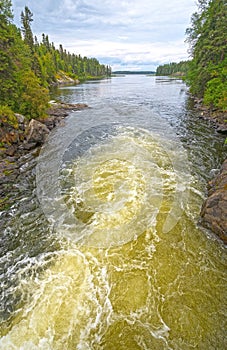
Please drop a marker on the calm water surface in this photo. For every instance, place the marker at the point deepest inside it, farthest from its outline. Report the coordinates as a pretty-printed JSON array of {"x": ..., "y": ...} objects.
[{"x": 102, "y": 248}]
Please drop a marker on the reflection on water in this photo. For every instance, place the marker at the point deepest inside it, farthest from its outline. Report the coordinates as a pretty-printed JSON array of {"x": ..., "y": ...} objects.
[{"x": 116, "y": 260}]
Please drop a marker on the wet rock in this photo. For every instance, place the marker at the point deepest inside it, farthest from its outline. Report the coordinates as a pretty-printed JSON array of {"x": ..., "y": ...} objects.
[
  {"x": 222, "y": 129},
  {"x": 58, "y": 112},
  {"x": 214, "y": 209},
  {"x": 217, "y": 117},
  {"x": 27, "y": 146},
  {"x": 10, "y": 151},
  {"x": 51, "y": 121},
  {"x": 61, "y": 109},
  {"x": 36, "y": 132}
]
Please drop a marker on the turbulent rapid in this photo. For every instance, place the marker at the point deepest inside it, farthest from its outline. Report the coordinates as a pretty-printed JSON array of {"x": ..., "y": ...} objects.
[{"x": 107, "y": 250}]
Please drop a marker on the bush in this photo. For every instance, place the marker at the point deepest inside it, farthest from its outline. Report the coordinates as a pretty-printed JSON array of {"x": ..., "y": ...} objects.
[
  {"x": 34, "y": 97},
  {"x": 216, "y": 94},
  {"x": 7, "y": 116}
]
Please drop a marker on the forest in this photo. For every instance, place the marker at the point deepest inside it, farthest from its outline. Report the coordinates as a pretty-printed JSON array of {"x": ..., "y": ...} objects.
[
  {"x": 173, "y": 68},
  {"x": 206, "y": 71},
  {"x": 28, "y": 67}
]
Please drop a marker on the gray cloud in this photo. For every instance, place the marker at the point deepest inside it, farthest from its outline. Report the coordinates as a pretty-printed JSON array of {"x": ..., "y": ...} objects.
[{"x": 136, "y": 33}]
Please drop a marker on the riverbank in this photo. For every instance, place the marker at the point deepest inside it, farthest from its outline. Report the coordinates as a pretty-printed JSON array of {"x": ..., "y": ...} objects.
[
  {"x": 216, "y": 117},
  {"x": 22, "y": 140},
  {"x": 214, "y": 209}
]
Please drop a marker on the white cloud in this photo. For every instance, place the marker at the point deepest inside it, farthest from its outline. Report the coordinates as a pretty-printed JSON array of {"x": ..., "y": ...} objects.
[{"x": 129, "y": 33}]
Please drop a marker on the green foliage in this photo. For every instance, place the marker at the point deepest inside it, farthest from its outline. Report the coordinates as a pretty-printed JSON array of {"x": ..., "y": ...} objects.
[
  {"x": 34, "y": 97},
  {"x": 6, "y": 14},
  {"x": 173, "y": 68},
  {"x": 7, "y": 65},
  {"x": 28, "y": 68},
  {"x": 7, "y": 116},
  {"x": 26, "y": 19},
  {"x": 52, "y": 61},
  {"x": 207, "y": 75},
  {"x": 216, "y": 93}
]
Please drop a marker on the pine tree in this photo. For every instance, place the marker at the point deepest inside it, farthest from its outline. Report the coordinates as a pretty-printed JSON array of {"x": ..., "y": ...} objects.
[
  {"x": 6, "y": 14},
  {"x": 28, "y": 68},
  {"x": 26, "y": 20},
  {"x": 7, "y": 66},
  {"x": 207, "y": 37}
]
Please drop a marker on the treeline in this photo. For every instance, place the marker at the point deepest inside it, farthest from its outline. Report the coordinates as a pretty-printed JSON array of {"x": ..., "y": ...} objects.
[
  {"x": 173, "y": 68},
  {"x": 207, "y": 36},
  {"x": 51, "y": 61},
  {"x": 28, "y": 68},
  {"x": 206, "y": 72}
]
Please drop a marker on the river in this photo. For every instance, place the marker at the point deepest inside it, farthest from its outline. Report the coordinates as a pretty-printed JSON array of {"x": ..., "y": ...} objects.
[{"x": 102, "y": 248}]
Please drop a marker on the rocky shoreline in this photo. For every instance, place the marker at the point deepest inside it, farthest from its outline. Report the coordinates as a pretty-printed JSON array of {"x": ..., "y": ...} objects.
[
  {"x": 22, "y": 140},
  {"x": 214, "y": 209},
  {"x": 217, "y": 118}
]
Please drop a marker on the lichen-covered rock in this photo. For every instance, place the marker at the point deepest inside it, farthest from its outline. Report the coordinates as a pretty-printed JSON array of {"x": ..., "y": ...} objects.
[{"x": 214, "y": 209}]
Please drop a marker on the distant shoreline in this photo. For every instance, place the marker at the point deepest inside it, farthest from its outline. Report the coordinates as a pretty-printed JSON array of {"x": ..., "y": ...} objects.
[{"x": 134, "y": 72}]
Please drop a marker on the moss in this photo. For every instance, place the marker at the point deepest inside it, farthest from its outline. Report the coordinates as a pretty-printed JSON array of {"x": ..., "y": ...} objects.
[
  {"x": 7, "y": 172},
  {"x": 4, "y": 203}
]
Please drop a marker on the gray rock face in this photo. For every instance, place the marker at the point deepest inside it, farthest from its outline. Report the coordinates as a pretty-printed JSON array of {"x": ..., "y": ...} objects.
[
  {"x": 214, "y": 209},
  {"x": 36, "y": 132}
]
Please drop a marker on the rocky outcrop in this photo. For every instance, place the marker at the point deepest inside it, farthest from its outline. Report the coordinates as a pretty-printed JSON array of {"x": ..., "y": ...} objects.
[
  {"x": 12, "y": 134},
  {"x": 214, "y": 209},
  {"x": 61, "y": 110},
  {"x": 36, "y": 132},
  {"x": 217, "y": 118},
  {"x": 20, "y": 134},
  {"x": 213, "y": 214},
  {"x": 20, "y": 138},
  {"x": 64, "y": 79}
]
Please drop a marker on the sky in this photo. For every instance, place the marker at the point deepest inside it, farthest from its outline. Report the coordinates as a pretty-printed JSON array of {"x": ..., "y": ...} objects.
[{"x": 127, "y": 35}]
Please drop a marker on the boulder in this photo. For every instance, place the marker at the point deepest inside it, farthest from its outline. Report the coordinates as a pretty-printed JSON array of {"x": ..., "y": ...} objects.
[
  {"x": 36, "y": 132},
  {"x": 62, "y": 109},
  {"x": 222, "y": 129},
  {"x": 214, "y": 209},
  {"x": 20, "y": 118}
]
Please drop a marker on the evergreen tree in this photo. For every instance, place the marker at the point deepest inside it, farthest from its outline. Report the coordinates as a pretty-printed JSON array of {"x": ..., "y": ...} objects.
[
  {"x": 33, "y": 97},
  {"x": 26, "y": 20},
  {"x": 6, "y": 14},
  {"x": 173, "y": 68},
  {"x": 7, "y": 42},
  {"x": 207, "y": 37},
  {"x": 28, "y": 68}
]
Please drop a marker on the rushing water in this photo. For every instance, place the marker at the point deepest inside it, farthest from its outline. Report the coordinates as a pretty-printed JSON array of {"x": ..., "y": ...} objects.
[{"x": 102, "y": 249}]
